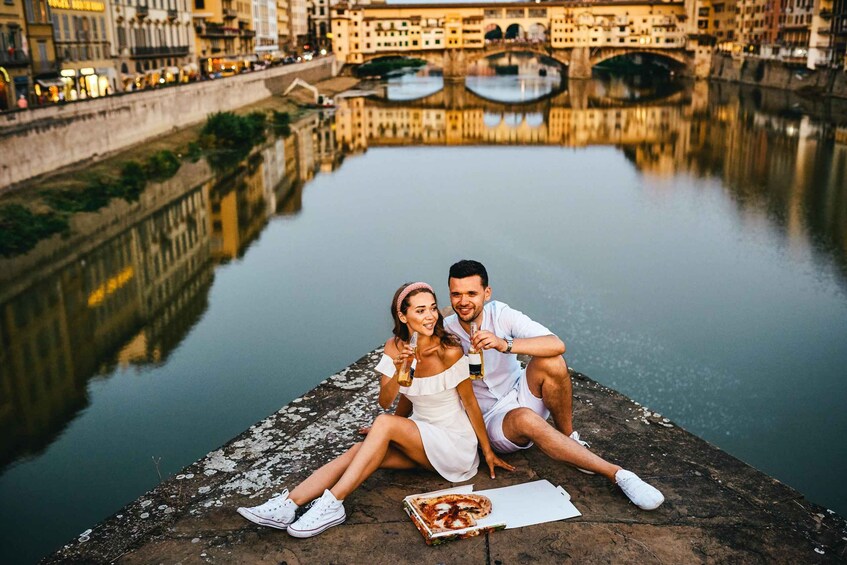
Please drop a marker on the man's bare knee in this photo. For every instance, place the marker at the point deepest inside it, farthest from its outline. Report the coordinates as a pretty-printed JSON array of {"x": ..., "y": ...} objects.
[
  {"x": 521, "y": 425},
  {"x": 552, "y": 366}
]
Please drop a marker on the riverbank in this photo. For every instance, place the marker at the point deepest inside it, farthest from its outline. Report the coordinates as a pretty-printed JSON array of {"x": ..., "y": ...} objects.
[
  {"x": 45, "y": 140},
  {"x": 717, "y": 508},
  {"x": 776, "y": 74}
]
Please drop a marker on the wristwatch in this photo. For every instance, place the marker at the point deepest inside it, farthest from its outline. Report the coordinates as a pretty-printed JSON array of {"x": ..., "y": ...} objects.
[{"x": 509, "y": 342}]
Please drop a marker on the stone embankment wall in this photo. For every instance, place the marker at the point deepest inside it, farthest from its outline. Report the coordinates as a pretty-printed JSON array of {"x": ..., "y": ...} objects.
[
  {"x": 43, "y": 140},
  {"x": 774, "y": 74}
]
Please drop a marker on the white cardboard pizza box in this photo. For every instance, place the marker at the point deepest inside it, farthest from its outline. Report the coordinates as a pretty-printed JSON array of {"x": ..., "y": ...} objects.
[{"x": 515, "y": 506}]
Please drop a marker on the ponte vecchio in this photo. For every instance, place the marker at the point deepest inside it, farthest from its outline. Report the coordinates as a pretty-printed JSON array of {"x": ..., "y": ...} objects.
[{"x": 578, "y": 35}]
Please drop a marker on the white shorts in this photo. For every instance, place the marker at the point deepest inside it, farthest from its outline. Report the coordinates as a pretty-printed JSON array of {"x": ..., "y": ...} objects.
[{"x": 518, "y": 397}]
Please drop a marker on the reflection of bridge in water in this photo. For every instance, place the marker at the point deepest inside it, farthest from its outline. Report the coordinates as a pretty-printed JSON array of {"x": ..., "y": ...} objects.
[{"x": 586, "y": 113}]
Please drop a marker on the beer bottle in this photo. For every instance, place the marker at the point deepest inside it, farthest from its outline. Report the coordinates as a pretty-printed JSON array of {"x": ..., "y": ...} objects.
[
  {"x": 475, "y": 359},
  {"x": 407, "y": 370}
]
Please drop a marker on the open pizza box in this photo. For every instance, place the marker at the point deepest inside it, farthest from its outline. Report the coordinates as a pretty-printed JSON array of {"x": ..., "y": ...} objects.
[{"x": 516, "y": 506}]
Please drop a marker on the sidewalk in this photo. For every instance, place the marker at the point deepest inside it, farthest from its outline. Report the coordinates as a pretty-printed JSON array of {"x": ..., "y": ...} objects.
[{"x": 717, "y": 508}]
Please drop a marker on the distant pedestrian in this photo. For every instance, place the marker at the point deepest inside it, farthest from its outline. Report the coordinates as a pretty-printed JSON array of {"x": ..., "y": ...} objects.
[{"x": 22, "y": 103}]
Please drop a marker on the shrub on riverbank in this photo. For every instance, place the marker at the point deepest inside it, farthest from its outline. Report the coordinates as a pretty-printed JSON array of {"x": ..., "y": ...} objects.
[
  {"x": 228, "y": 137},
  {"x": 384, "y": 67},
  {"x": 21, "y": 229},
  {"x": 226, "y": 130},
  {"x": 162, "y": 165}
]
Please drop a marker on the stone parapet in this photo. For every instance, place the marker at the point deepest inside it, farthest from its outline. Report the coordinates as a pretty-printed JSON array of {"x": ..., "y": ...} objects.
[{"x": 44, "y": 140}]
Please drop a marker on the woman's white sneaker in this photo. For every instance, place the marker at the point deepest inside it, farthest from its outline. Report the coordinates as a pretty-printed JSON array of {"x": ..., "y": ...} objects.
[
  {"x": 278, "y": 512},
  {"x": 325, "y": 513},
  {"x": 640, "y": 493}
]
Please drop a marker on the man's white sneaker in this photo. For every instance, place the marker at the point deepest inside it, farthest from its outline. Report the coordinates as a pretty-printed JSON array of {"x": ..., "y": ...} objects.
[
  {"x": 640, "y": 493},
  {"x": 575, "y": 436},
  {"x": 278, "y": 512},
  {"x": 325, "y": 513}
]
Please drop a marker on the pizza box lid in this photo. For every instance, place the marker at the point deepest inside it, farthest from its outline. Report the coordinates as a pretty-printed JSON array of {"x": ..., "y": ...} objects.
[{"x": 514, "y": 506}]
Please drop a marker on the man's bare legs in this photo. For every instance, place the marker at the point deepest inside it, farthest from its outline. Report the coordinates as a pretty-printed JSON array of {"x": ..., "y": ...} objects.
[
  {"x": 548, "y": 379},
  {"x": 522, "y": 426}
]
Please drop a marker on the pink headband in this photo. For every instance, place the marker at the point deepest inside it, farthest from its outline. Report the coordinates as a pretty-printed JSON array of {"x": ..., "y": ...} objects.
[{"x": 412, "y": 287}]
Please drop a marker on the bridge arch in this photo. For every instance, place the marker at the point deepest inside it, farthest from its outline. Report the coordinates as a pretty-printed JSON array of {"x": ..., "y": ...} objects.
[
  {"x": 604, "y": 54},
  {"x": 515, "y": 31},
  {"x": 493, "y": 32}
]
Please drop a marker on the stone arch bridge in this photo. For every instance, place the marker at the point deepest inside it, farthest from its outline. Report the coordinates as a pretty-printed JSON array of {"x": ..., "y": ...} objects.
[
  {"x": 578, "y": 61},
  {"x": 576, "y": 35}
]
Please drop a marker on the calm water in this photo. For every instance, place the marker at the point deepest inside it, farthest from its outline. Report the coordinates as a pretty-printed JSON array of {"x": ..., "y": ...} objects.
[{"x": 688, "y": 244}]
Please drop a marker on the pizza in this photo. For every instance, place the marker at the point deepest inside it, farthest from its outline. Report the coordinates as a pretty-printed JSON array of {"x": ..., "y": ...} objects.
[{"x": 451, "y": 511}]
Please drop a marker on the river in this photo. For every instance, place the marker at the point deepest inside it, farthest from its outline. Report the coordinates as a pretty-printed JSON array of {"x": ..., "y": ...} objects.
[{"x": 687, "y": 242}]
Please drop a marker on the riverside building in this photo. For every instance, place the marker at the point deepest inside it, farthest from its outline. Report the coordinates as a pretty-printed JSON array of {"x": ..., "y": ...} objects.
[
  {"x": 14, "y": 54},
  {"x": 298, "y": 18},
  {"x": 283, "y": 26},
  {"x": 318, "y": 25},
  {"x": 46, "y": 82},
  {"x": 265, "y": 24},
  {"x": 83, "y": 37},
  {"x": 154, "y": 42},
  {"x": 224, "y": 36}
]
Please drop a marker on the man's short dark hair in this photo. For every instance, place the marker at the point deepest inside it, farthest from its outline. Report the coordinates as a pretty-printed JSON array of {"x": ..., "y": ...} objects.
[{"x": 468, "y": 268}]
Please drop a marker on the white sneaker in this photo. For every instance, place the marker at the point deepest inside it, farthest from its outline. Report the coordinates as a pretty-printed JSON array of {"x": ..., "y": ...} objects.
[
  {"x": 325, "y": 513},
  {"x": 640, "y": 493},
  {"x": 575, "y": 436},
  {"x": 278, "y": 512}
]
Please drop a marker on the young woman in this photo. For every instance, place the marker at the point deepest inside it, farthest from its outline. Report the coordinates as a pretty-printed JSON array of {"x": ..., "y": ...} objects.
[{"x": 442, "y": 435}]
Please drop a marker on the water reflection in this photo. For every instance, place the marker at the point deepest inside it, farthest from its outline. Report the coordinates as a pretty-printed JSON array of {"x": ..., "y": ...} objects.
[
  {"x": 522, "y": 77},
  {"x": 131, "y": 296},
  {"x": 130, "y": 283},
  {"x": 134, "y": 294}
]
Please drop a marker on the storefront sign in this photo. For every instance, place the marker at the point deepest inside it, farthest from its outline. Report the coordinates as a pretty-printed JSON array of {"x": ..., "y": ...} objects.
[{"x": 83, "y": 5}]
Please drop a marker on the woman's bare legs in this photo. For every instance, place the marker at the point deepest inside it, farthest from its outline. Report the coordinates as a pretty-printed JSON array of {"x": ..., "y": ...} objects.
[{"x": 393, "y": 443}]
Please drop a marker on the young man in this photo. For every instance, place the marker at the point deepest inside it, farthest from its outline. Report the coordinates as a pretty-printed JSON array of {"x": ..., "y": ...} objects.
[{"x": 516, "y": 403}]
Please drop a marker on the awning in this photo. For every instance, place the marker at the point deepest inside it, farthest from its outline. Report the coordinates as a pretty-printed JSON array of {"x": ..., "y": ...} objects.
[
  {"x": 172, "y": 70},
  {"x": 48, "y": 82},
  {"x": 190, "y": 68}
]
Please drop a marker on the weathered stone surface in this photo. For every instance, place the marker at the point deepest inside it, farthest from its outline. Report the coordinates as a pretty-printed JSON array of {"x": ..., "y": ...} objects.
[{"x": 717, "y": 509}]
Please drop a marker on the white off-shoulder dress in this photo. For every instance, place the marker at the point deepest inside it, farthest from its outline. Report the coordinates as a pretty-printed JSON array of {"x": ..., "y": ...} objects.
[{"x": 448, "y": 437}]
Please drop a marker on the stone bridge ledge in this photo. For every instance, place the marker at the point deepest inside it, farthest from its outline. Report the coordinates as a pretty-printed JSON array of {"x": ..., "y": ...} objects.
[{"x": 717, "y": 508}]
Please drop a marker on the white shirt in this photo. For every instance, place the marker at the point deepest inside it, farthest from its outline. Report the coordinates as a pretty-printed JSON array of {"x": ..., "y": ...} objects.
[{"x": 502, "y": 370}]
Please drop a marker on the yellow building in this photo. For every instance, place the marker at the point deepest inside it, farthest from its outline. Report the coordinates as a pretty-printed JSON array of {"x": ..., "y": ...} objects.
[
  {"x": 14, "y": 54},
  {"x": 224, "y": 36},
  {"x": 83, "y": 38},
  {"x": 42, "y": 48},
  {"x": 283, "y": 26}
]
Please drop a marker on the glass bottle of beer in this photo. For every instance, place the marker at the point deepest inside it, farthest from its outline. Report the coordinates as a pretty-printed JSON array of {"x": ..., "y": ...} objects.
[
  {"x": 475, "y": 359},
  {"x": 407, "y": 370}
]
